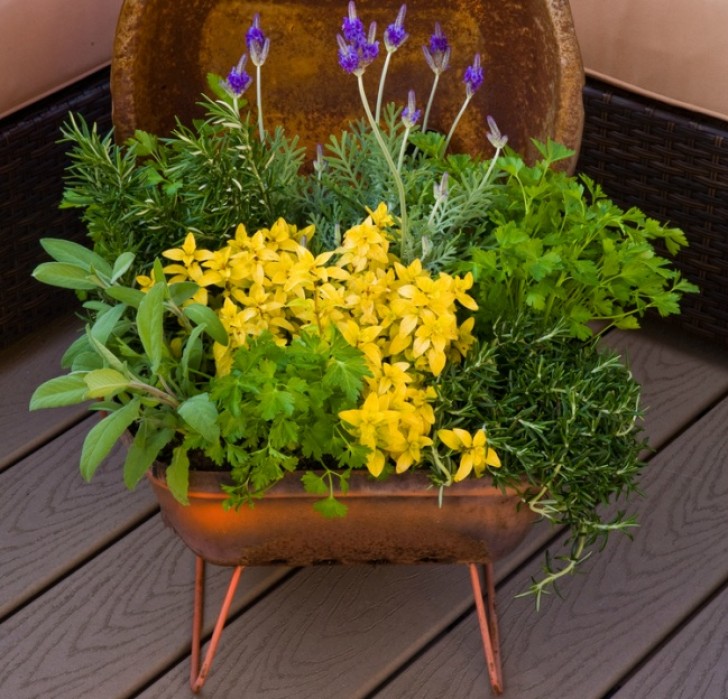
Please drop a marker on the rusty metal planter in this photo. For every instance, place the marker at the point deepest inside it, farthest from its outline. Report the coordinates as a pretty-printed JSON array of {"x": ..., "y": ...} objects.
[{"x": 396, "y": 521}]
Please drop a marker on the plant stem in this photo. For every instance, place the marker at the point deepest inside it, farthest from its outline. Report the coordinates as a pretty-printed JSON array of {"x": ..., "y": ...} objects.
[
  {"x": 430, "y": 101},
  {"x": 455, "y": 123},
  {"x": 393, "y": 168},
  {"x": 382, "y": 79},
  {"x": 161, "y": 396},
  {"x": 402, "y": 149},
  {"x": 259, "y": 100}
]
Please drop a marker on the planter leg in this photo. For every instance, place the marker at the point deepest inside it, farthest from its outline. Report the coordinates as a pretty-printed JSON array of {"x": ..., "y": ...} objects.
[
  {"x": 197, "y": 675},
  {"x": 488, "y": 622}
]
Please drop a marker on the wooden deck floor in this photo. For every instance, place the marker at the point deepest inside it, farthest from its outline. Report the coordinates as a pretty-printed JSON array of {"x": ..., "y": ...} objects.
[{"x": 96, "y": 595}]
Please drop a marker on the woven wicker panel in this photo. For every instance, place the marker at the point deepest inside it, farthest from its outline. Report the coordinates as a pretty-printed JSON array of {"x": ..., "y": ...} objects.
[
  {"x": 673, "y": 165},
  {"x": 31, "y": 171}
]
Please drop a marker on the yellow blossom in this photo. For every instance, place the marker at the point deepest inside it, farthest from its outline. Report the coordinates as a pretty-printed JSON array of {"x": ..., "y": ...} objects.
[
  {"x": 476, "y": 454},
  {"x": 381, "y": 217},
  {"x": 189, "y": 258},
  {"x": 412, "y": 454}
]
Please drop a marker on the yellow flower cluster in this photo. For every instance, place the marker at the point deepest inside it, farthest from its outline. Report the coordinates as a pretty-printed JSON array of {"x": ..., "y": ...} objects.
[{"x": 401, "y": 318}]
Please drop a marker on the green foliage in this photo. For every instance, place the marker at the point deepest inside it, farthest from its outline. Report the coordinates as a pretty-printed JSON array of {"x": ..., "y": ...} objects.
[
  {"x": 561, "y": 413},
  {"x": 548, "y": 253},
  {"x": 555, "y": 245},
  {"x": 279, "y": 410},
  {"x": 143, "y": 197}
]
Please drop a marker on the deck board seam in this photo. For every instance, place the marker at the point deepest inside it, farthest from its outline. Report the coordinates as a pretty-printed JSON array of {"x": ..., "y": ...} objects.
[
  {"x": 183, "y": 657},
  {"x": 81, "y": 563},
  {"x": 663, "y": 642}
]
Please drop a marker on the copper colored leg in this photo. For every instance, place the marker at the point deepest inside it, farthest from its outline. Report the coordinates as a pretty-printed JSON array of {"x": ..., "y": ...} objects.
[
  {"x": 488, "y": 622},
  {"x": 197, "y": 675}
]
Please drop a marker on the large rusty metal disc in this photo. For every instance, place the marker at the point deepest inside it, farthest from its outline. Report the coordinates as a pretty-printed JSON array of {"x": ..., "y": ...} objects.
[{"x": 533, "y": 72}]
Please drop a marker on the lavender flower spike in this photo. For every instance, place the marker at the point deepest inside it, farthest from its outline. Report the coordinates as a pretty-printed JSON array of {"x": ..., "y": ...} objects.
[
  {"x": 349, "y": 58},
  {"x": 496, "y": 138},
  {"x": 356, "y": 57},
  {"x": 437, "y": 54},
  {"x": 473, "y": 77},
  {"x": 410, "y": 114},
  {"x": 394, "y": 34},
  {"x": 410, "y": 117},
  {"x": 238, "y": 80},
  {"x": 257, "y": 42},
  {"x": 353, "y": 27}
]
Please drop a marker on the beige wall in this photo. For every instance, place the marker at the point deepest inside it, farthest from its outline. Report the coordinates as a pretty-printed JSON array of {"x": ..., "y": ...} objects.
[
  {"x": 676, "y": 50},
  {"x": 47, "y": 44}
]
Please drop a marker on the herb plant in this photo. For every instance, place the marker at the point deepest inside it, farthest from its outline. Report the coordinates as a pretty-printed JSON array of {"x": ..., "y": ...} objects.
[{"x": 397, "y": 307}]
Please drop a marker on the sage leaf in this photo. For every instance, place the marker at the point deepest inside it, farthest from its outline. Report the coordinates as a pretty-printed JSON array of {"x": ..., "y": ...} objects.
[
  {"x": 150, "y": 318},
  {"x": 202, "y": 315},
  {"x": 148, "y": 442},
  {"x": 106, "y": 322},
  {"x": 192, "y": 354},
  {"x": 105, "y": 383},
  {"x": 182, "y": 291},
  {"x": 121, "y": 265},
  {"x": 75, "y": 254},
  {"x": 65, "y": 276},
  {"x": 102, "y": 437},
  {"x": 60, "y": 391},
  {"x": 200, "y": 413},
  {"x": 104, "y": 352},
  {"x": 178, "y": 475},
  {"x": 131, "y": 297}
]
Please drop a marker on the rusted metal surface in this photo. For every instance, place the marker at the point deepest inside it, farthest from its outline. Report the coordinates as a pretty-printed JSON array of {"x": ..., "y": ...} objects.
[
  {"x": 164, "y": 50},
  {"x": 396, "y": 521}
]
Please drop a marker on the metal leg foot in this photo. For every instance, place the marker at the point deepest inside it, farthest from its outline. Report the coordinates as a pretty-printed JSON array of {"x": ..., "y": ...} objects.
[
  {"x": 488, "y": 622},
  {"x": 199, "y": 675}
]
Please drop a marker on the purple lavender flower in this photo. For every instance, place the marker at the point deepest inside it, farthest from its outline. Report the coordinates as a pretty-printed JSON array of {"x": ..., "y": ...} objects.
[
  {"x": 257, "y": 42},
  {"x": 437, "y": 54},
  {"x": 496, "y": 138},
  {"x": 410, "y": 114},
  {"x": 394, "y": 34},
  {"x": 473, "y": 77},
  {"x": 238, "y": 80},
  {"x": 355, "y": 57},
  {"x": 438, "y": 41},
  {"x": 353, "y": 27},
  {"x": 349, "y": 58}
]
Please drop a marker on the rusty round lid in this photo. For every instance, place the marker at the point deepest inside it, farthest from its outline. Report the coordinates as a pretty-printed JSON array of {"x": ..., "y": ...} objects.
[{"x": 164, "y": 50}]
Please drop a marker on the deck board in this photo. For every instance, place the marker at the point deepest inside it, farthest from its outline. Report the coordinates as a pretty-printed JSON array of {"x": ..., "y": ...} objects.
[
  {"x": 114, "y": 624},
  {"x": 22, "y": 368},
  {"x": 691, "y": 664},
  {"x": 63, "y": 521}
]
